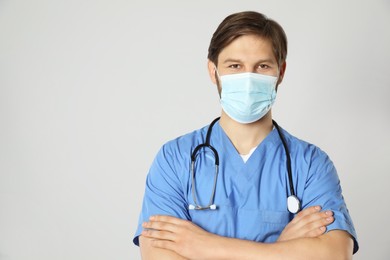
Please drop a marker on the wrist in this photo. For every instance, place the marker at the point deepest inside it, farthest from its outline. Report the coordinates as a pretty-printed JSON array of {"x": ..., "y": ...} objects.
[
  {"x": 226, "y": 248},
  {"x": 219, "y": 248}
]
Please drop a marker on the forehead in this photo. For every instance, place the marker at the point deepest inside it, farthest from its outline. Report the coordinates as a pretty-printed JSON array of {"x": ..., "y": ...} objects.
[{"x": 248, "y": 48}]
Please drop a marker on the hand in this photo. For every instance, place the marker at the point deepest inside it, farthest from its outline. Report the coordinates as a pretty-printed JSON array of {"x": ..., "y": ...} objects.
[
  {"x": 178, "y": 235},
  {"x": 310, "y": 222}
]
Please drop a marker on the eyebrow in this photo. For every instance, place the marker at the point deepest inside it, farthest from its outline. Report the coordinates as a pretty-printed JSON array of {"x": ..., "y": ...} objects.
[
  {"x": 229, "y": 60},
  {"x": 232, "y": 60}
]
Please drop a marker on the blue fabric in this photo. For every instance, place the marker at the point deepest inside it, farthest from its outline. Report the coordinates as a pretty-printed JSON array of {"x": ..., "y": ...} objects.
[{"x": 251, "y": 197}]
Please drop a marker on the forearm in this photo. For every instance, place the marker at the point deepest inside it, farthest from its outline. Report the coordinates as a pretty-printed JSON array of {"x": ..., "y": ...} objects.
[
  {"x": 184, "y": 238},
  {"x": 333, "y": 245},
  {"x": 148, "y": 252}
]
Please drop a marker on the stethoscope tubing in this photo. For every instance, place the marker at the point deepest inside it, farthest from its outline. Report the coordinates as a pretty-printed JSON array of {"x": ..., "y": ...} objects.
[
  {"x": 288, "y": 162},
  {"x": 293, "y": 203}
]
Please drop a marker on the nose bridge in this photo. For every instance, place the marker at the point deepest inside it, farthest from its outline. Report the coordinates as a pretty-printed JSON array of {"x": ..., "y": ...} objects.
[
  {"x": 252, "y": 70},
  {"x": 249, "y": 67}
]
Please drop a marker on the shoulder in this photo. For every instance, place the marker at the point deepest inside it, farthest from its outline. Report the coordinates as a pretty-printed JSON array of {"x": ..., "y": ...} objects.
[
  {"x": 173, "y": 158},
  {"x": 298, "y": 145},
  {"x": 312, "y": 164},
  {"x": 309, "y": 152},
  {"x": 182, "y": 146}
]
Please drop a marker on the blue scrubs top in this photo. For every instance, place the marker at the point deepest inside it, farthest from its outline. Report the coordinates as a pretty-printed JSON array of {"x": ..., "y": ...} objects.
[{"x": 251, "y": 197}]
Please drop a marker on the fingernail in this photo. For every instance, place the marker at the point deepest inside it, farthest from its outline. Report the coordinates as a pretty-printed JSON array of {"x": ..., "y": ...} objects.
[
  {"x": 146, "y": 224},
  {"x": 329, "y": 219},
  {"x": 329, "y": 212},
  {"x": 318, "y": 208},
  {"x": 152, "y": 217},
  {"x": 322, "y": 228}
]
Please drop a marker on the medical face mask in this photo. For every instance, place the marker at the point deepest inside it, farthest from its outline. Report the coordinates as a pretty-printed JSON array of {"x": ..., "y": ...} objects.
[{"x": 247, "y": 97}]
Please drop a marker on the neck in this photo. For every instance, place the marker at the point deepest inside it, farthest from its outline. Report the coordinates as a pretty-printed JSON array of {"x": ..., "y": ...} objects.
[{"x": 246, "y": 136}]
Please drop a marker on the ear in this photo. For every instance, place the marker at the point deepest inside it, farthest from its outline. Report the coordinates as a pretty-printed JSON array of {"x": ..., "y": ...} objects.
[
  {"x": 211, "y": 68},
  {"x": 281, "y": 72}
]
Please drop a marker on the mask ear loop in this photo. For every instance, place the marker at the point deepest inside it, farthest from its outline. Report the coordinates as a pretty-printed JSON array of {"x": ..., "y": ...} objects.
[
  {"x": 218, "y": 79},
  {"x": 277, "y": 82},
  {"x": 217, "y": 74}
]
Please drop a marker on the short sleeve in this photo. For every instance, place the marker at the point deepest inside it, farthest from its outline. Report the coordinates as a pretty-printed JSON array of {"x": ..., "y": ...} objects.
[
  {"x": 164, "y": 192},
  {"x": 323, "y": 188}
]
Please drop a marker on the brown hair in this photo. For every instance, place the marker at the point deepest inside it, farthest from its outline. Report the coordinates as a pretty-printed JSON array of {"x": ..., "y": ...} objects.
[{"x": 246, "y": 23}]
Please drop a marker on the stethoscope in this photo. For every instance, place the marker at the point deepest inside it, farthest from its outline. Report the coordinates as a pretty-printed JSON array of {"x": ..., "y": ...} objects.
[{"x": 293, "y": 203}]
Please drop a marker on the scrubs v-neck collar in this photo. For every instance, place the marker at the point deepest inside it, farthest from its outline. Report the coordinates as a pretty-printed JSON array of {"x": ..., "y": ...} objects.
[{"x": 229, "y": 155}]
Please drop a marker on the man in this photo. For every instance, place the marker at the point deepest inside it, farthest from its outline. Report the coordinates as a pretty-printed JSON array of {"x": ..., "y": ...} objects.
[{"x": 243, "y": 213}]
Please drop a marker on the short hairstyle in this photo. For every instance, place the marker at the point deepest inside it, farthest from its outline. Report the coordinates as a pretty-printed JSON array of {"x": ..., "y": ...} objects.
[{"x": 248, "y": 23}]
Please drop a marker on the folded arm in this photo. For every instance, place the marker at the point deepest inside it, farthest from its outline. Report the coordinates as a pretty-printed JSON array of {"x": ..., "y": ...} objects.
[
  {"x": 335, "y": 244},
  {"x": 149, "y": 252},
  {"x": 302, "y": 238}
]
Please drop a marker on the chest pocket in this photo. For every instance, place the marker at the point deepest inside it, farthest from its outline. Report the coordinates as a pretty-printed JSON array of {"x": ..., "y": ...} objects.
[
  {"x": 261, "y": 225},
  {"x": 254, "y": 225}
]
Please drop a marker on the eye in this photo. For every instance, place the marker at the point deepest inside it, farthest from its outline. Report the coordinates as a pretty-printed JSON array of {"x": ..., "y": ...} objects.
[
  {"x": 234, "y": 66},
  {"x": 264, "y": 66}
]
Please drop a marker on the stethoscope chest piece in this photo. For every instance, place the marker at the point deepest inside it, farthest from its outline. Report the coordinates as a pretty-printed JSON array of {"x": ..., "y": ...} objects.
[{"x": 293, "y": 204}]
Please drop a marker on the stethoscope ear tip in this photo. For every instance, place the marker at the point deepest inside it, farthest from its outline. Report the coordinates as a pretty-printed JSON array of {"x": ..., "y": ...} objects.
[{"x": 193, "y": 207}]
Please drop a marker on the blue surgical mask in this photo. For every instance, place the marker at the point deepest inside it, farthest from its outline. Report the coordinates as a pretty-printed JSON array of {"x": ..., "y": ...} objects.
[{"x": 247, "y": 97}]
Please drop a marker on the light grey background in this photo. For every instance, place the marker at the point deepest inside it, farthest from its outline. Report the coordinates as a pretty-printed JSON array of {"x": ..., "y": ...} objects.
[{"x": 89, "y": 91}]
